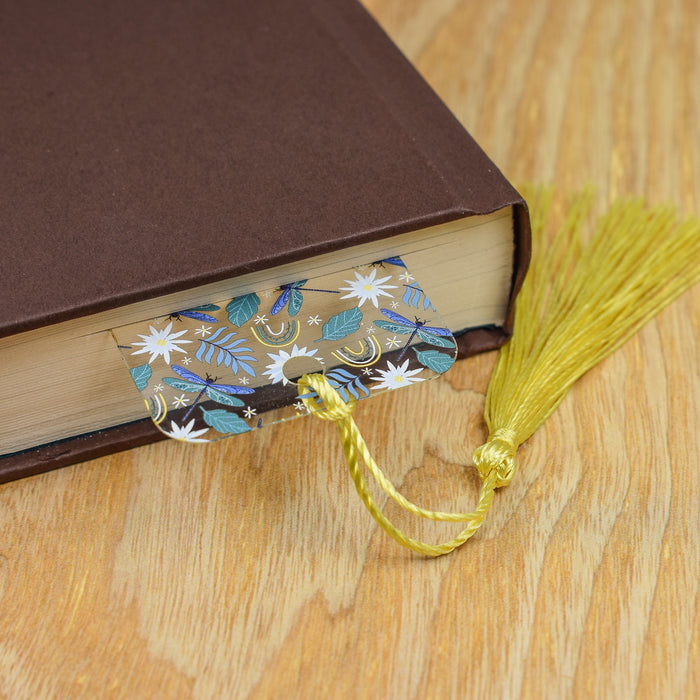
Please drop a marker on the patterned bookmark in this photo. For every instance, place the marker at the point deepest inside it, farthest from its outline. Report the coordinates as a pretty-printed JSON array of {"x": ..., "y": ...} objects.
[{"x": 225, "y": 368}]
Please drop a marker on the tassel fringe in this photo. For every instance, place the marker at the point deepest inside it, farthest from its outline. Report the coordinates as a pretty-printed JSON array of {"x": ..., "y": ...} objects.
[{"x": 581, "y": 302}]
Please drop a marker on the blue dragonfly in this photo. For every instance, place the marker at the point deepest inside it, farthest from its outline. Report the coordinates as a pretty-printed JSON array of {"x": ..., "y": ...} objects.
[
  {"x": 191, "y": 383},
  {"x": 442, "y": 337},
  {"x": 292, "y": 294},
  {"x": 391, "y": 261},
  {"x": 197, "y": 313}
]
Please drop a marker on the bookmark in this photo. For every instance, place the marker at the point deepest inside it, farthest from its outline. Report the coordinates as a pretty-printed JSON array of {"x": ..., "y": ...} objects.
[{"x": 228, "y": 367}]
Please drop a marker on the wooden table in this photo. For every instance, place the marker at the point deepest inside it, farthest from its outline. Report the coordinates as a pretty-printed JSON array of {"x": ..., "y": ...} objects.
[{"x": 250, "y": 569}]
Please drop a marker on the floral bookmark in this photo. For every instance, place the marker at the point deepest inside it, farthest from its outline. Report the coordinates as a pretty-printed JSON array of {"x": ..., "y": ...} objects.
[{"x": 225, "y": 368}]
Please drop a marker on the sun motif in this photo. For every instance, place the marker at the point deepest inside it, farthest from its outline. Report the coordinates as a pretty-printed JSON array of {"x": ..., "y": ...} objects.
[
  {"x": 160, "y": 343},
  {"x": 275, "y": 370},
  {"x": 395, "y": 377},
  {"x": 367, "y": 288}
]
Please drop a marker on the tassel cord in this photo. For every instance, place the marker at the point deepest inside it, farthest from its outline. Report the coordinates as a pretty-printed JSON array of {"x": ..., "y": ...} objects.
[{"x": 354, "y": 447}]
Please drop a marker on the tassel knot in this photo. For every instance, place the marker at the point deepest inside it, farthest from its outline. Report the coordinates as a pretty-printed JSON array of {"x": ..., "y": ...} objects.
[
  {"x": 497, "y": 455},
  {"x": 332, "y": 406}
]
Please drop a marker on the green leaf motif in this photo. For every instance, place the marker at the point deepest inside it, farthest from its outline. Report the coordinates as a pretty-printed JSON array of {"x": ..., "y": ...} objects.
[
  {"x": 220, "y": 397},
  {"x": 224, "y": 421},
  {"x": 342, "y": 325},
  {"x": 438, "y": 362},
  {"x": 141, "y": 375},
  {"x": 241, "y": 309}
]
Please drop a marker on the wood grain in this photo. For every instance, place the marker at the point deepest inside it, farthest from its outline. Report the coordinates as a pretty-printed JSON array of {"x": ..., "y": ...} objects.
[{"x": 250, "y": 569}]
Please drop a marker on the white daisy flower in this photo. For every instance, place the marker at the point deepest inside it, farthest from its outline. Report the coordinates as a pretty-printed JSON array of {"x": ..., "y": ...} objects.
[
  {"x": 393, "y": 342},
  {"x": 275, "y": 370},
  {"x": 161, "y": 343},
  {"x": 185, "y": 432},
  {"x": 394, "y": 377},
  {"x": 367, "y": 288},
  {"x": 250, "y": 412}
]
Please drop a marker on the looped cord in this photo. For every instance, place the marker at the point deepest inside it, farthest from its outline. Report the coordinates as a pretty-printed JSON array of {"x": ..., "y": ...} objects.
[
  {"x": 333, "y": 407},
  {"x": 497, "y": 455}
]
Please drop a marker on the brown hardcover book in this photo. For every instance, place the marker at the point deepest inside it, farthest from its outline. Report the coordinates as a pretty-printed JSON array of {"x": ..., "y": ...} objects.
[{"x": 163, "y": 154}]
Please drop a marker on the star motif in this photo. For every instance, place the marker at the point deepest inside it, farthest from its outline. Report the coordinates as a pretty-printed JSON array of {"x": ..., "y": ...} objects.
[
  {"x": 393, "y": 342},
  {"x": 203, "y": 331},
  {"x": 260, "y": 318},
  {"x": 244, "y": 380},
  {"x": 181, "y": 400},
  {"x": 314, "y": 320},
  {"x": 406, "y": 277},
  {"x": 394, "y": 304},
  {"x": 186, "y": 360},
  {"x": 367, "y": 371},
  {"x": 299, "y": 405},
  {"x": 158, "y": 387}
]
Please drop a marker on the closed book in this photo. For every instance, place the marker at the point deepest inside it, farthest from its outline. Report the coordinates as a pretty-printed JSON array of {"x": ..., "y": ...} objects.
[{"x": 160, "y": 155}]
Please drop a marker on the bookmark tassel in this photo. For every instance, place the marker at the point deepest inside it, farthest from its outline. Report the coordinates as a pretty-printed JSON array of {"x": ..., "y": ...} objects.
[{"x": 579, "y": 303}]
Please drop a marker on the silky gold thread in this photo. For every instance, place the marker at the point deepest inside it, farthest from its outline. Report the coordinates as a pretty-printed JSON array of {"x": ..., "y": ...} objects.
[{"x": 579, "y": 303}]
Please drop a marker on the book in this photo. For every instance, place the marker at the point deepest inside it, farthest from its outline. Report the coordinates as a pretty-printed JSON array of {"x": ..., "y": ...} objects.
[{"x": 163, "y": 156}]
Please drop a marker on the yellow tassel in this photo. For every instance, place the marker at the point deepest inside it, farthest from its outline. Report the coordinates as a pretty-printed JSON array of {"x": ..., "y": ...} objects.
[{"x": 578, "y": 304}]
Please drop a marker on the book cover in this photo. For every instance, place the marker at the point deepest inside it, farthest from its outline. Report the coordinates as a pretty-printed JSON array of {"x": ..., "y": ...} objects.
[{"x": 156, "y": 147}]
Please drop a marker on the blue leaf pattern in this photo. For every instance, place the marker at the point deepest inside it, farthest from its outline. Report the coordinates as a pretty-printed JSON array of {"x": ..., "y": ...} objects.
[
  {"x": 346, "y": 383},
  {"x": 230, "y": 353},
  {"x": 412, "y": 296}
]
